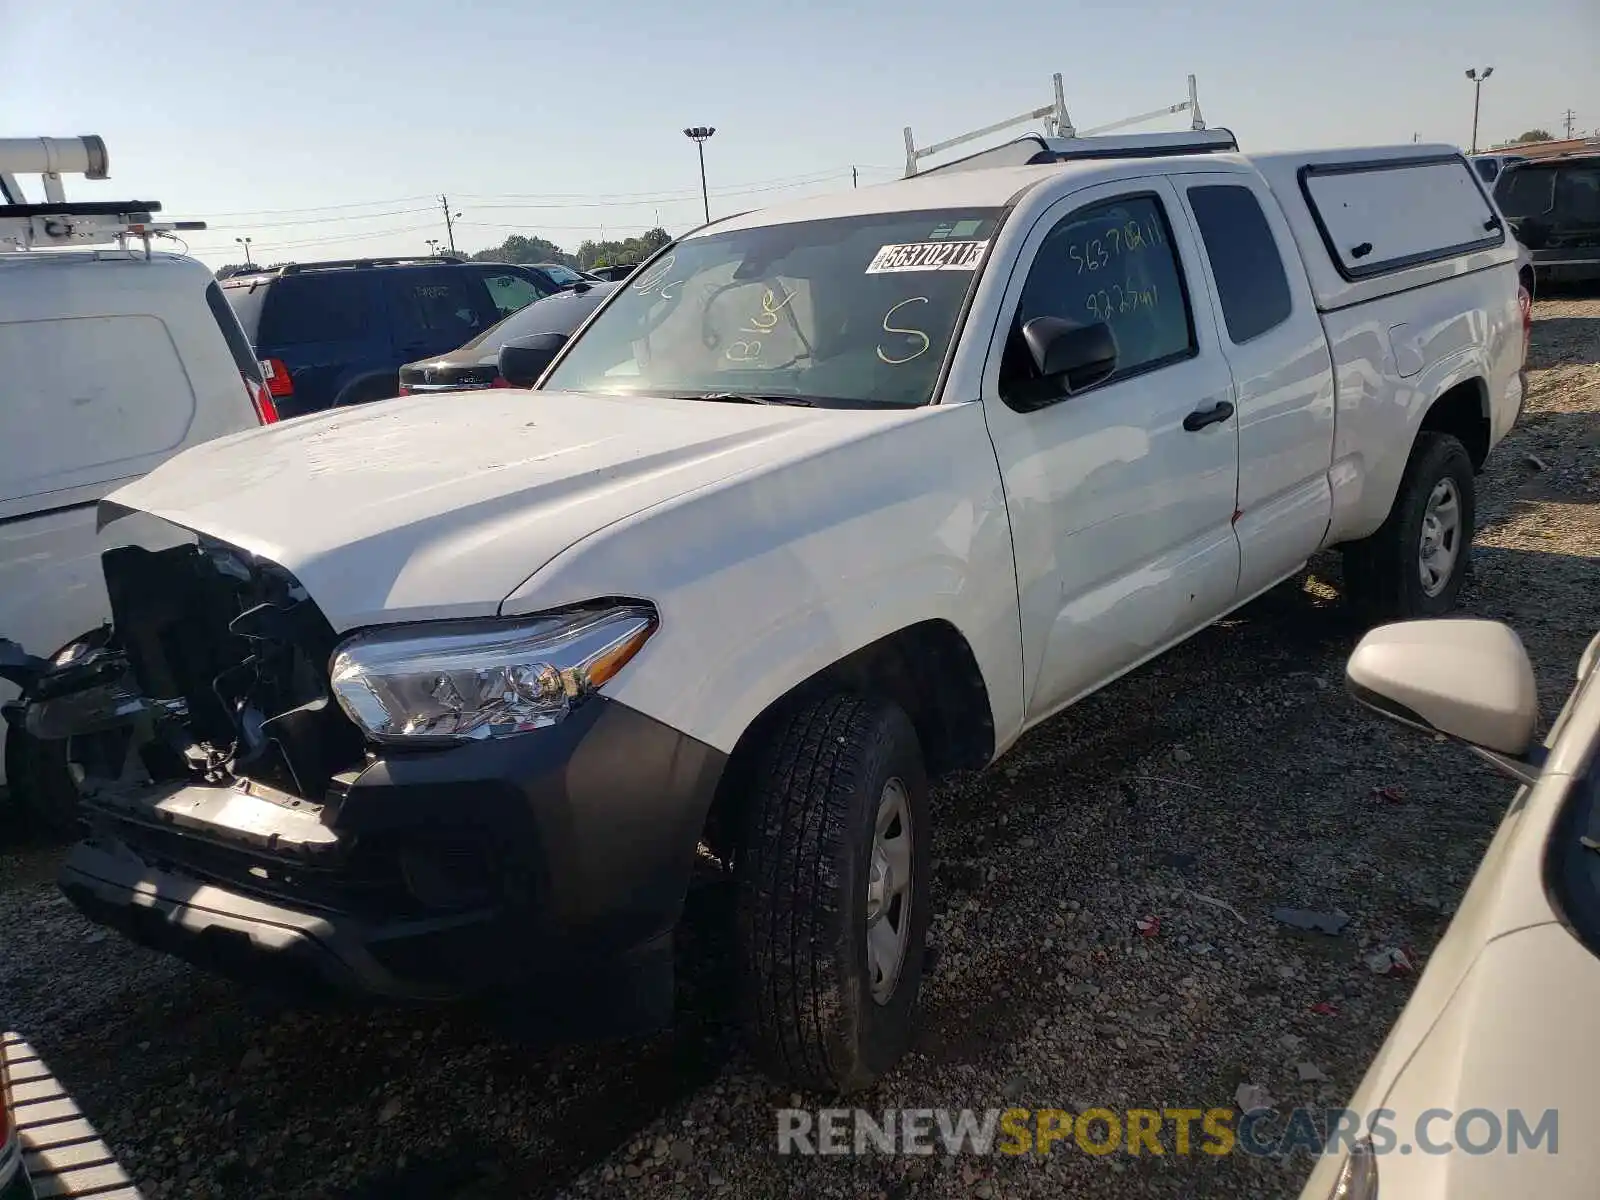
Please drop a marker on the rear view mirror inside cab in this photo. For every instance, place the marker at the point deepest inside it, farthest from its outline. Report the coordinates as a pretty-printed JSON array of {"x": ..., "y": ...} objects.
[{"x": 1469, "y": 680}]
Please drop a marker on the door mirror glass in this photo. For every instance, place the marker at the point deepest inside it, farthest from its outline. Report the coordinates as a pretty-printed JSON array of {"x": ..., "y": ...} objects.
[
  {"x": 1074, "y": 356},
  {"x": 1470, "y": 680},
  {"x": 524, "y": 359}
]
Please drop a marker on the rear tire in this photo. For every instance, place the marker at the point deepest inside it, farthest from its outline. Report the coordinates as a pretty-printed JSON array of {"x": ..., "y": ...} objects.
[
  {"x": 1417, "y": 560},
  {"x": 833, "y": 895}
]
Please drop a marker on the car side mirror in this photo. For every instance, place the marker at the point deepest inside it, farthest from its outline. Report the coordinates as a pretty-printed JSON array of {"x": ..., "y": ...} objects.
[
  {"x": 1469, "y": 680},
  {"x": 1074, "y": 356},
  {"x": 1532, "y": 233},
  {"x": 524, "y": 359}
]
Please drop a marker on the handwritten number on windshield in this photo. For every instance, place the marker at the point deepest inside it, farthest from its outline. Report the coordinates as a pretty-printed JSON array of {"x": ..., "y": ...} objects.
[
  {"x": 761, "y": 324},
  {"x": 1132, "y": 237},
  {"x": 656, "y": 279},
  {"x": 915, "y": 333}
]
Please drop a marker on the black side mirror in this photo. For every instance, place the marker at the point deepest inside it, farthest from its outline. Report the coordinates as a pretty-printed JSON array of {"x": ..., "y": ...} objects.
[
  {"x": 1532, "y": 233},
  {"x": 524, "y": 359},
  {"x": 1070, "y": 356}
]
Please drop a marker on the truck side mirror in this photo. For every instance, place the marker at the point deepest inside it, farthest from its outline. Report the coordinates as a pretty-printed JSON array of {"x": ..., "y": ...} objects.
[
  {"x": 1073, "y": 355},
  {"x": 1532, "y": 233},
  {"x": 1469, "y": 680},
  {"x": 524, "y": 359}
]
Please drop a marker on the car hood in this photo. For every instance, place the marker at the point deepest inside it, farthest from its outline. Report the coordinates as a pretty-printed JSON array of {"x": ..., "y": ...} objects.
[
  {"x": 1511, "y": 1043},
  {"x": 440, "y": 506}
]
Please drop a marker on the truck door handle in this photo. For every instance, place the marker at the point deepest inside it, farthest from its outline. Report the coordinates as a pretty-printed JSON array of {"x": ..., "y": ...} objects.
[{"x": 1197, "y": 421}]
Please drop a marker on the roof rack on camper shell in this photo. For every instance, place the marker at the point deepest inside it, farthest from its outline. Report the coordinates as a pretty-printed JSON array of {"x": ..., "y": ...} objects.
[
  {"x": 1062, "y": 141},
  {"x": 58, "y": 222}
]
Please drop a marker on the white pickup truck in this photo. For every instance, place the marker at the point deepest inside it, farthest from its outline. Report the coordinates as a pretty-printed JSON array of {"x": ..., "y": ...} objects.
[{"x": 448, "y": 694}]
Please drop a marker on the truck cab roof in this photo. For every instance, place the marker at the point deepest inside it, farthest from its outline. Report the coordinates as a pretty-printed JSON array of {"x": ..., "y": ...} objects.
[{"x": 1354, "y": 211}]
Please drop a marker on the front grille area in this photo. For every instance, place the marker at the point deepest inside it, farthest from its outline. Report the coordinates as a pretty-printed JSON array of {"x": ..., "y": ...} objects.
[{"x": 240, "y": 642}]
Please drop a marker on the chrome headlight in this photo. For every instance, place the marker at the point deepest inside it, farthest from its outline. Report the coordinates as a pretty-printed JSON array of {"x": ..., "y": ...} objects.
[
  {"x": 454, "y": 681},
  {"x": 1358, "y": 1177}
]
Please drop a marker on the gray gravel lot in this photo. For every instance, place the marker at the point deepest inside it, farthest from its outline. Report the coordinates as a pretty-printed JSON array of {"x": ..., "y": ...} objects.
[{"x": 1233, "y": 770}]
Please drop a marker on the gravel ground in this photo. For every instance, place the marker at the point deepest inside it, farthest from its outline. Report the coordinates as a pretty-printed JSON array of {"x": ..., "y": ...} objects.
[{"x": 1233, "y": 770}]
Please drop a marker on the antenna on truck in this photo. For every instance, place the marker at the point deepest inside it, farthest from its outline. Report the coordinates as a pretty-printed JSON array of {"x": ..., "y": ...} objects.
[
  {"x": 56, "y": 221},
  {"x": 1057, "y": 123}
]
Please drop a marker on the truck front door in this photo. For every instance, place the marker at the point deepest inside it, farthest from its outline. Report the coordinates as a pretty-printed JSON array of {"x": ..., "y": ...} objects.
[{"x": 1121, "y": 496}]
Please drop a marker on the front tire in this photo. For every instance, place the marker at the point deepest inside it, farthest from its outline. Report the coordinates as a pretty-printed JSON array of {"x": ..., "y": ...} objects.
[
  {"x": 834, "y": 894},
  {"x": 1416, "y": 561}
]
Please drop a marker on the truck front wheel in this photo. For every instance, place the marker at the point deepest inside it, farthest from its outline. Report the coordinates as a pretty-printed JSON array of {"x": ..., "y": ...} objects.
[
  {"x": 1416, "y": 561},
  {"x": 833, "y": 893}
]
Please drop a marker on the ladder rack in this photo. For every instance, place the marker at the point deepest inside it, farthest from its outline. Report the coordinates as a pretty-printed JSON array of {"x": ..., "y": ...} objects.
[
  {"x": 57, "y": 222},
  {"x": 1058, "y": 124}
]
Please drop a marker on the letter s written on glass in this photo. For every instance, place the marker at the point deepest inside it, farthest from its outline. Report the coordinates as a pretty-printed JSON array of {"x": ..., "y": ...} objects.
[{"x": 914, "y": 333}]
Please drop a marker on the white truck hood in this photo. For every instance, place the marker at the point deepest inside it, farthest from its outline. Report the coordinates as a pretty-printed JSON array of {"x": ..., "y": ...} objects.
[{"x": 441, "y": 505}]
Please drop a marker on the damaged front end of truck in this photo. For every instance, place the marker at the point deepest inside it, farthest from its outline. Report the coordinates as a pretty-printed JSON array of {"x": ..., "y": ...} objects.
[{"x": 235, "y": 812}]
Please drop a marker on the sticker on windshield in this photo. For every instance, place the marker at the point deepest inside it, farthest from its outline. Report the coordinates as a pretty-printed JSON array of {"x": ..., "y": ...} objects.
[{"x": 927, "y": 256}]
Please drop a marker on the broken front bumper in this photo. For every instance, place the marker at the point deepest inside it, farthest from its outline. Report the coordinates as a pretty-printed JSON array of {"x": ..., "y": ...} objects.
[{"x": 561, "y": 854}]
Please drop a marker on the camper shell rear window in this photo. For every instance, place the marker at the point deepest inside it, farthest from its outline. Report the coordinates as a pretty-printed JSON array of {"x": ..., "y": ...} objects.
[{"x": 1389, "y": 214}]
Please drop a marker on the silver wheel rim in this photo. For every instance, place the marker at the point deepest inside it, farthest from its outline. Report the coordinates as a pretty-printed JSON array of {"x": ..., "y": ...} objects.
[
  {"x": 889, "y": 891},
  {"x": 1441, "y": 537}
]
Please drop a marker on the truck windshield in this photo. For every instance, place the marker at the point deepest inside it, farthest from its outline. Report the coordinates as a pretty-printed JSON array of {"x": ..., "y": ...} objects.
[{"x": 848, "y": 312}]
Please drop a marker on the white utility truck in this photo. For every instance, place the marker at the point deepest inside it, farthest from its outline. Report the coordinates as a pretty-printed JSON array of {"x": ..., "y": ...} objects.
[
  {"x": 114, "y": 356},
  {"x": 449, "y": 694}
]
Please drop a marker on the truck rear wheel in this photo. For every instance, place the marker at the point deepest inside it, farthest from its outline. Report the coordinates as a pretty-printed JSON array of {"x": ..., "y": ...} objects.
[
  {"x": 1416, "y": 561},
  {"x": 834, "y": 894}
]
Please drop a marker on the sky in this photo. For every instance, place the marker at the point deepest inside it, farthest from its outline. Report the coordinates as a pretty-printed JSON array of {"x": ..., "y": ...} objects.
[{"x": 331, "y": 130}]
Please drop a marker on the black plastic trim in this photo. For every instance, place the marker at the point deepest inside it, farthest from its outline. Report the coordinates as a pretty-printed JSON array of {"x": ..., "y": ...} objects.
[
  {"x": 1393, "y": 709},
  {"x": 33, "y": 514},
  {"x": 96, "y": 208},
  {"x": 586, "y": 831},
  {"x": 1392, "y": 265}
]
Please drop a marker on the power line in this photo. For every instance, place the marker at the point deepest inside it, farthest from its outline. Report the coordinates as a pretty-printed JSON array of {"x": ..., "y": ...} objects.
[
  {"x": 321, "y": 241},
  {"x": 273, "y": 212},
  {"x": 540, "y": 226},
  {"x": 620, "y": 198},
  {"x": 398, "y": 212}
]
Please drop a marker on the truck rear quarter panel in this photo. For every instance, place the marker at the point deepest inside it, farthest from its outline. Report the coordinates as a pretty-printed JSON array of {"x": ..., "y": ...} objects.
[
  {"x": 1400, "y": 336},
  {"x": 1393, "y": 358}
]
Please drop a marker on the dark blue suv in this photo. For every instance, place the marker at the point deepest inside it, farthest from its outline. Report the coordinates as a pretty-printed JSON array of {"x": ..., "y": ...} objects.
[{"x": 334, "y": 333}]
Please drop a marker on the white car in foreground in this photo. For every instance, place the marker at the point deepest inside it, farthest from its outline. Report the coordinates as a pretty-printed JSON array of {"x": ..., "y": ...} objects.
[
  {"x": 1493, "y": 1040},
  {"x": 827, "y": 500}
]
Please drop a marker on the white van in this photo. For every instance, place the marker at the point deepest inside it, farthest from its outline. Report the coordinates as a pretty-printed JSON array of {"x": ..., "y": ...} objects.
[{"x": 112, "y": 361}]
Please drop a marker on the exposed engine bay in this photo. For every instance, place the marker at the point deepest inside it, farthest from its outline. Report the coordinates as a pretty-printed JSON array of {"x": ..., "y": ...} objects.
[{"x": 214, "y": 670}]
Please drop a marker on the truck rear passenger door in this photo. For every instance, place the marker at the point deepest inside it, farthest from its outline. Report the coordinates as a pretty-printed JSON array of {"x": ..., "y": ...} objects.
[
  {"x": 1121, "y": 495},
  {"x": 1272, "y": 339}
]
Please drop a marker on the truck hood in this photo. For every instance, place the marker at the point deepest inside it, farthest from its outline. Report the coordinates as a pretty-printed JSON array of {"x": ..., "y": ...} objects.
[{"x": 441, "y": 505}]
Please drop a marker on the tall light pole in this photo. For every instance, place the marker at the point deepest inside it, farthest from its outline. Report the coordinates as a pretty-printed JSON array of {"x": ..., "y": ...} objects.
[
  {"x": 433, "y": 246},
  {"x": 698, "y": 135},
  {"x": 245, "y": 242},
  {"x": 1477, "y": 78}
]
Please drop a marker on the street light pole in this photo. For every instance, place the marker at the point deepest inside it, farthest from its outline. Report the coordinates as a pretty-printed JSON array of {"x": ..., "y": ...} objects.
[
  {"x": 1477, "y": 78},
  {"x": 245, "y": 242},
  {"x": 698, "y": 134}
]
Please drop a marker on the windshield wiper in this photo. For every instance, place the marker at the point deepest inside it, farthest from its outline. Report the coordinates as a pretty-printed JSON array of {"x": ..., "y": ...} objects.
[{"x": 751, "y": 398}]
